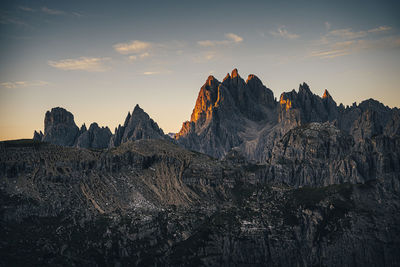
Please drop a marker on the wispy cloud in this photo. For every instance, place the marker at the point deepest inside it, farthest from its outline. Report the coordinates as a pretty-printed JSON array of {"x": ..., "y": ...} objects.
[
  {"x": 144, "y": 55},
  {"x": 347, "y": 34},
  {"x": 20, "y": 84},
  {"x": 380, "y": 29},
  {"x": 133, "y": 58},
  {"x": 231, "y": 38},
  {"x": 205, "y": 57},
  {"x": 234, "y": 37},
  {"x": 150, "y": 72},
  {"x": 77, "y": 14},
  {"x": 282, "y": 32},
  {"x": 330, "y": 53},
  {"x": 132, "y": 47},
  {"x": 91, "y": 64},
  {"x": 161, "y": 71},
  {"x": 27, "y": 9},
  {"x": 52, "y": 11},
  {"x": 342, "y": 42},
  {"x": 6, "y": 18}
]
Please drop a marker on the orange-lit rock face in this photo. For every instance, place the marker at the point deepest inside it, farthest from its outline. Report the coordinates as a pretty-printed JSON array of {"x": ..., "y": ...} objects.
[
  {"x": 184, "y": 130},
  {"x": 205, "y": 101},
  {"x": 250, "y": 77},
  {"x": 326, "y": 94},
  {"x": 227, "y": 77},
  {"x": 235, "y": 73},
  {"x": 210, "y": 80},
  {"x": 285, "y": 102}
]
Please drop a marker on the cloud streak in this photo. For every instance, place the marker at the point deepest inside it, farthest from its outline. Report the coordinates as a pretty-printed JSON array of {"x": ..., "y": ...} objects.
[
  {"x": 135, "y": 46},
  {"x": 52, "y": 11},
  {"x": 90, "y": 64},
  {"x": 27, "y": 9},
  {"x": 342, "y": 42},
  {"x": 133, "y": 58},
  {"x": 282, "y": 32},
  {"x": 49, "y": 11},
  {"x": 231, "y": 38},
  {"x": 150, "y": 72},
  {"x": 21, "y": 84}
]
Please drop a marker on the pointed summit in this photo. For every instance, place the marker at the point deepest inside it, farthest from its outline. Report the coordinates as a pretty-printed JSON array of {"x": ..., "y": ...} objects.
[
  {"x": 235, "y": 73},
  {"x": 137, "y": 109},
  {"x": 210, "y": 80},
  {"x": 304, "y": 88},
  {"x": 254, "y": 78},
  {"x": 138, "y": 125},
  {"x": 227, "y": 77},
  {"x": 326, "y": 94},
  {"x": 128, "y": 117}
]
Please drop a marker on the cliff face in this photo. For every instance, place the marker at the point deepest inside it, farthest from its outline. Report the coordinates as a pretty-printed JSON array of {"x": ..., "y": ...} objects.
[
  {"x": 136, "y": 126},
  {"x": 60, "y": 129},
  {"x": 150, "y": 202},
  {"x": 224, "y": 112},
  {"x": 295, "y": 182},
  {"x": 95, "y": 137},
  {"x": 245, "y": 116}
]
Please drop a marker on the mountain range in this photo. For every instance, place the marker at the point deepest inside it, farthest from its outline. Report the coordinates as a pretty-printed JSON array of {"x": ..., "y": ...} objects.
[{"x": 250, "y": 180}]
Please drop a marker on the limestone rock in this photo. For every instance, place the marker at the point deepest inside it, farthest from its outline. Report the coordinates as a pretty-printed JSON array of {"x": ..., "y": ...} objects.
[
  {"x": 38, "y": 136},
  {"x": 137, "y": 126},
  {"x": 60, "y": 127},
  {"x": 95, "y": 137},
  {"x": 222, "y": 113}
]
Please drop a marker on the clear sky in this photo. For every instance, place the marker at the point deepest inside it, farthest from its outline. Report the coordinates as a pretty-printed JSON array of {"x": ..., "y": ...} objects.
[{"x": 98, "y": 59}]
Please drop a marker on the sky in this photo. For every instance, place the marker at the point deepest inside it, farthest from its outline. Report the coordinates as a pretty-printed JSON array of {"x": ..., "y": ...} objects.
[{"x": 98, "y": 59}]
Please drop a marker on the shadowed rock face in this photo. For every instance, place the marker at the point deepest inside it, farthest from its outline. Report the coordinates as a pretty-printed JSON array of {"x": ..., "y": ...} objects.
[
  {"x": 137, "y": 126},
  {"x": 60, "y": 127},
  {"x": 245, "y": 116},
  {"x": 223, "y": 111},
  {"x": 95, "y": 137},
  {"x": 151, "y": 202},
  {"x": 325, "y": 190}
]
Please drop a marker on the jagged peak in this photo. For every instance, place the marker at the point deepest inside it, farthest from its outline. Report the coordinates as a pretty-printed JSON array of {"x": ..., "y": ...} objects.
[
  {"x": 211, "y": 80},
  {"x": 304, "y": 88},
  {"x": 235, "y": 73},
  {"x": 128, "y": 117},
  {"x": 137, "y": 109},
  {"x": 254, "y": 78},
  {"x": 326, "y": 94},
  {"x": 58, "y": 109},
  {"x": 227, "y": 77},
  {"x": 93, "y": 125},
  {"x": 83, "y": 128}
]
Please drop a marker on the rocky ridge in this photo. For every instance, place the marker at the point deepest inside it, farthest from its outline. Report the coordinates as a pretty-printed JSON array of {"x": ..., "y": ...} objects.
[
  {"x": 295, "y": 182},
  {"x": 151, "y": 202},
  {"x": 60, "y": 129},
  {"x": 245, "y": 116}
]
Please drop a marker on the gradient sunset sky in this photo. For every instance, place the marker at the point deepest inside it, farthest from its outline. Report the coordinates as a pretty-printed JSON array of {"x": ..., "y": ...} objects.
[{"x": 98, "y": 59}]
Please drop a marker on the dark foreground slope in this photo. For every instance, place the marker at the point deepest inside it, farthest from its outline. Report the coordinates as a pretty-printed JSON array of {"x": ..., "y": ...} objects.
[{"x": 150, "y": 203}]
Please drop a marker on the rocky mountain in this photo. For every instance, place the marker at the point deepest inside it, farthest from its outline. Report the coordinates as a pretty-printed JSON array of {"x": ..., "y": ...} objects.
[
  {"x": 137, "y": 126},
  {"x": 245, "y": 116},
  {"x": 226, "y": 113},
  {"x": 248, "y": 181},
  {"x": 95, "y": 137},
  {"x": 153, "y": 203},
  {"x": 60, "y": 129}
]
